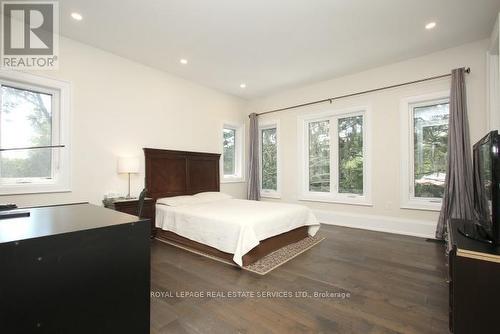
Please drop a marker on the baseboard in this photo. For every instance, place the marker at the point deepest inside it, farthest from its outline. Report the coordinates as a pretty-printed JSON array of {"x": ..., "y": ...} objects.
[{"x": 417, "y": 228}]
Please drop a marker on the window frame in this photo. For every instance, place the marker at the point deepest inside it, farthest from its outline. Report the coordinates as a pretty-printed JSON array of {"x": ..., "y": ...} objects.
[
  {"x": 61, "y": 164},
  {"x": 269, "y": 193},
  {"x": 303, "y": 144},
  {"x": 408, "y": 199},
  {"x": 239, "y": 144}
]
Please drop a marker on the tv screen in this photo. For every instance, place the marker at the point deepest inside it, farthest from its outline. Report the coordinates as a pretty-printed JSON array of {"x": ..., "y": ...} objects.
[{"x": 486, "y": 178}]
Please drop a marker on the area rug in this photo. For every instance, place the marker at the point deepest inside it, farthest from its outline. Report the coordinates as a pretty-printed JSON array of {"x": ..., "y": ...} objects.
[
  {"x": 283, "y": 255},
  {"x": 270, "y": 261}
]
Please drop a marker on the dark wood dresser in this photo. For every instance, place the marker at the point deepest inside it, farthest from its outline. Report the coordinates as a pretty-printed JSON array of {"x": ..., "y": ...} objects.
[
  {"x": 74, "y": 269},
  {"x": 474, "y": 283},
  {"x": 131, "y": 206}
]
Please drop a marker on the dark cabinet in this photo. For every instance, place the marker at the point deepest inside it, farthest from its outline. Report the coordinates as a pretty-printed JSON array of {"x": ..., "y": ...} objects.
[
  {"x": 74, "y": 269},
  {"x": 474, "y": 283}
]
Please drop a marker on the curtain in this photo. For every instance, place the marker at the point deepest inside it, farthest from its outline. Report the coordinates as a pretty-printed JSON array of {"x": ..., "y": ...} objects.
[
  {"x": 253, "y": 191},
  {"x": 458, "y": 193}
]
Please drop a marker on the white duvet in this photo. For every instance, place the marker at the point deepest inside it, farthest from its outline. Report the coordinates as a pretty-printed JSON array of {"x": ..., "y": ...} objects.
[{"x": 232, "y": 225}]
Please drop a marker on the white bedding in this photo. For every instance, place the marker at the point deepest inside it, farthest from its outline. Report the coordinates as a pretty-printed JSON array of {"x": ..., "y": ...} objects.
[{"x": 233, "y": 225}]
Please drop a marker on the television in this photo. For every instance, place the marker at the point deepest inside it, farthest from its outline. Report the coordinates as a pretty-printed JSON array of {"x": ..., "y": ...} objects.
[{"x": 486, "y": 226}]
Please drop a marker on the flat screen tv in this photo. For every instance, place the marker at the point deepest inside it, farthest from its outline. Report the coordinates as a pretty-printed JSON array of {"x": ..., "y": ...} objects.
[{"x": 486, "y": 190}]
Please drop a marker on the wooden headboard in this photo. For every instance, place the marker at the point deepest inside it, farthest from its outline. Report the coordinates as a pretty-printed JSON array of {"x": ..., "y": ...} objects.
[{"x": 173, "y": 173}]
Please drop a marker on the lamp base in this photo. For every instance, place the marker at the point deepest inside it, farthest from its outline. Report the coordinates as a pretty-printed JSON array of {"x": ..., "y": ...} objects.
[{"x": 128, "y": 195}]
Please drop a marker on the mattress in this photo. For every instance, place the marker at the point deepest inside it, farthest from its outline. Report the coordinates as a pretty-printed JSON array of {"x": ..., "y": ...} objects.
[{"x": 233, "y": 225}]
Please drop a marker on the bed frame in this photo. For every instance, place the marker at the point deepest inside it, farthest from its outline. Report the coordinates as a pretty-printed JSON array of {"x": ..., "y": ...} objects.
[{"x": 174, "y": 173}]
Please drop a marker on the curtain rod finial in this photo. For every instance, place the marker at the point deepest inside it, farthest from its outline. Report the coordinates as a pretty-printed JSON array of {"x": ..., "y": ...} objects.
[{"x": 467, "y": 70}]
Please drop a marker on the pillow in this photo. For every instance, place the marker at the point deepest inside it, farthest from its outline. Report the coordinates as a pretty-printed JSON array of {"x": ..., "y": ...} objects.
[
  {"x": 178, "y": 200},
  {"x": 211, "y": 196}
]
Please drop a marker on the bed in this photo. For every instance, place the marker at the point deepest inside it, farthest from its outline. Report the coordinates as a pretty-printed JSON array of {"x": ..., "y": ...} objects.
[{"x": 210, "y": 222}]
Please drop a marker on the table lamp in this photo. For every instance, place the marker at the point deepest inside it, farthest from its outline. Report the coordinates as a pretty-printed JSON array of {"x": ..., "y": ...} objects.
[{"x": 128, "y": 165}]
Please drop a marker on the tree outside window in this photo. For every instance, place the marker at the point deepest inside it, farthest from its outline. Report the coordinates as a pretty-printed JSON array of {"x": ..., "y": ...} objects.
[
  {"x": 25, "y": 121},
  {"x": 430, "y": 145},
  {"x": 319, "y": 156},
  {"x": 350, "y": 133},
  {"x": 269, "y": 153},
  {"x": 229, "y": 151}
]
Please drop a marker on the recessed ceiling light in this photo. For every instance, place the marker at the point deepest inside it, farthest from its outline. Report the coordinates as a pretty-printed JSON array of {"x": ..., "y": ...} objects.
[
  {"x": 77, "y": 16},
  {"x": 430, "y": 25},
  {"x": 183, "y": 61},
  {"x": 243, "y": 85}
]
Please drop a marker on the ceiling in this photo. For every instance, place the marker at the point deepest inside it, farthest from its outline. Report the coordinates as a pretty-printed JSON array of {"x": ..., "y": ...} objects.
[{"x": 272, "y": 45}]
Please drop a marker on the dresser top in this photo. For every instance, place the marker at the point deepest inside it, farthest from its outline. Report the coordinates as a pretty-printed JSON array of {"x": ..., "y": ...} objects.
[
  {"x": 469, "y": 247},
  {"x": 47, "y": 221},
  {"x": 113, "y": 200}
]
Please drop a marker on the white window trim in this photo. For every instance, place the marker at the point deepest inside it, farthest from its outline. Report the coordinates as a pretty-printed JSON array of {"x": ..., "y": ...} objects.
[
  {"x": 239, "y": 175},
  {"x": 62, "y": 100},
  {"x": 303, "y": 159},
  {"x": 269, "y": 124},
  {"x": 408, "y": 200}
]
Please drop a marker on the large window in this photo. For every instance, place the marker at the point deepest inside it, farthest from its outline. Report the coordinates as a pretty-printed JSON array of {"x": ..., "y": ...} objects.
[
  {"x": 269, "y": 159},
  {"x": 336, "y": 157},
  {"x": 232, "y": 153},
  {"x": 427, "y": 145},
  {"x": 33, "y": 112}
]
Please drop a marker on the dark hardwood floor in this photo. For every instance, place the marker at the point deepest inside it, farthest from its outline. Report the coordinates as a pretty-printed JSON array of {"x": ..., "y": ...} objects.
[{"x": 396, "y": 285}]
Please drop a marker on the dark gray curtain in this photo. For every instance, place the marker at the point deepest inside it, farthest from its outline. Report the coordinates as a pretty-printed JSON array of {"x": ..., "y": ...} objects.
[
  {"x": 458, "y": 193},
  {"x": 253, "y": 191}
]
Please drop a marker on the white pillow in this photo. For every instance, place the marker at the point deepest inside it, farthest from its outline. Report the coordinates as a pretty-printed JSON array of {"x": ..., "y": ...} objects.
[
  {"x": 178, "y": 200},
  {"x": 211, "y": 196}
]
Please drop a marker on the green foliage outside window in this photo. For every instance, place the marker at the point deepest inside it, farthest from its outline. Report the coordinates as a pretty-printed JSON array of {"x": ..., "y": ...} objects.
[
  {"x": 430, "y": 149},
  {"x": 350, "y": 132},
  {"x": 229, "y": 151},
  {"x": 26, "y": 120},
  {"x": 319, "y": 156},
  {"x": 269, "y": 159}
]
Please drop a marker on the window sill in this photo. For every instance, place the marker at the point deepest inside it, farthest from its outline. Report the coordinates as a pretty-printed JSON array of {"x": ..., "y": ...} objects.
[
  {"x": 421, "y": 205},
  {"x": 11, "y": 190},
  {"x": 270, "y": 195},
  {"x": 361, "y": 201},
  {"x": 231, "y": 180}
]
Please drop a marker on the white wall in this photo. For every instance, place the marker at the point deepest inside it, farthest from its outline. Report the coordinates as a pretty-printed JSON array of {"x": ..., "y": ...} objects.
[
  {"x": 385, "y": 214},
  {"x": 493, "y": 78},
  {"x": 119, "y": 107}
]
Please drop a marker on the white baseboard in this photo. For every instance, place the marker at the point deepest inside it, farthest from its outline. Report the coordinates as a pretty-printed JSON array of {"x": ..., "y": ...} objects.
[{"x": 417, "y": 228}]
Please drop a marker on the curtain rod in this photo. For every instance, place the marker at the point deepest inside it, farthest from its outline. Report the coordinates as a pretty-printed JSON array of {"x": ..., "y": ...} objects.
[{"x": 467, "y": 70}]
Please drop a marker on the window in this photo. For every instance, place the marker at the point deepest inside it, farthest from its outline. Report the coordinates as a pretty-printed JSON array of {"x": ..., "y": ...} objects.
[
  {"x": 335, "y": 154},
  {"x": 269, "y": 159},
  {"x": 426, "y": 129},
  {"x": 350, "y": 136},
  {"x": 319, "y": 156},
  {"x": 232, "y": 153},
  {"x": 33, "y": 117},
  {"x": 229, "y": 152}
]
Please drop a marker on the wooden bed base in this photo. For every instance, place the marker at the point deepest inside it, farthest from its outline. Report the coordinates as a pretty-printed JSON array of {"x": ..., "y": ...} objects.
[
  {"x": 265, "y": 247},
  {"x": 173, "y": 173}
]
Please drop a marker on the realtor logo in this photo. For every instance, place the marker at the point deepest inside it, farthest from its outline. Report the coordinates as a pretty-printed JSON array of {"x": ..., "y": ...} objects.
[{"x": 30, "y": 35}]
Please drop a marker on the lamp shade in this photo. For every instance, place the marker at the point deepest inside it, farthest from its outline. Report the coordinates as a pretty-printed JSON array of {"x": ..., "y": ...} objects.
[{"x": 128, "y": 165}]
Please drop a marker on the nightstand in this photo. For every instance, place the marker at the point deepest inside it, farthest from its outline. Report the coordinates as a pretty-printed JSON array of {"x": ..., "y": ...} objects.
[{"x": 131, "y": 206}]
